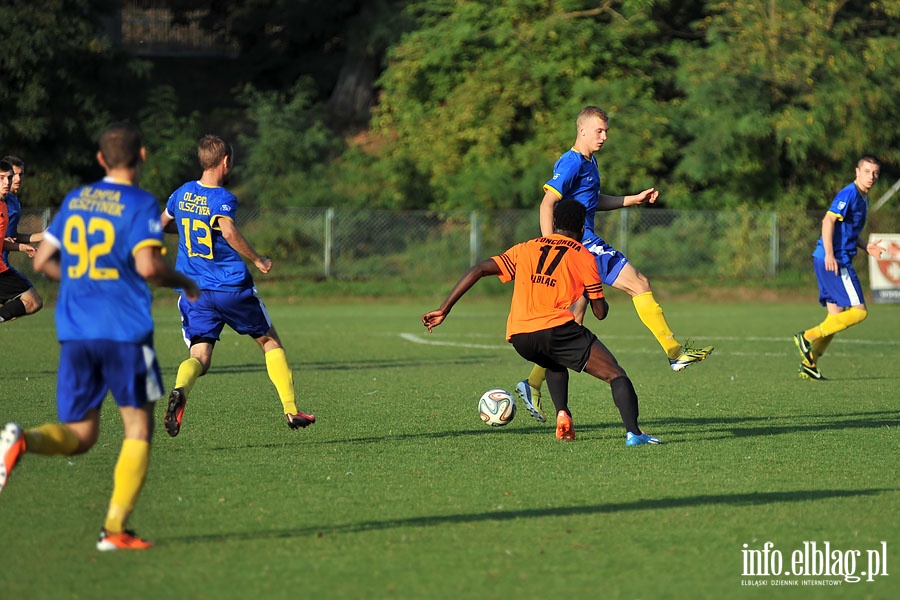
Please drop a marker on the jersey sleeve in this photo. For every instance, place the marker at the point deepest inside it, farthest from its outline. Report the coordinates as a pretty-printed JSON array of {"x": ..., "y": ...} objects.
[
  {"x": 147, "y": 228},
  {"x": 564, "y": 173},
  {"x": 222, "y": 206},
  {"x": 54, "y": 232},
  {"x": 507, "y": 263},
  {"x": 593, "y": 285},
  {"x": 172, "y": 203},
  {"x": 841, "y": 203}
]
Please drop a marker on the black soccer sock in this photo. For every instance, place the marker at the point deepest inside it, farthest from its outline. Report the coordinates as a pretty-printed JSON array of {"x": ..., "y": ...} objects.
[
  {"x": 627, "y": 402},
  {"x": 558, "y": 385},
  {"x": 12, "y": 309}
]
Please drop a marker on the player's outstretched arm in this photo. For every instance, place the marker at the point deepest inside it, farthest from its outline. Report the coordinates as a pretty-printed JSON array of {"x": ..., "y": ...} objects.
[
  {"x": 435, "y": 317},
  {"x": 28, "y": 249},
  {"x": 874, "y": 249},
  {"x": 30, "y": 238},
  {"x": 606, "y": 202},
  {"x": 236, "y": 240}
]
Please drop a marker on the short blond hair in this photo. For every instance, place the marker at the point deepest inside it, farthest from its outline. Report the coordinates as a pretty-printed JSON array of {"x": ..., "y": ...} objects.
[
  {"x": 589, "y": 112},
  {"x": 211, "y": 149}
]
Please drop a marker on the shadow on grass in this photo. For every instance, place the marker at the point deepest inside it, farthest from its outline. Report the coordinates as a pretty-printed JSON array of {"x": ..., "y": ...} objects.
[
  {"x": 779, "y": 425},
  {"x": 373, "y": 363},
  {"x": 711, "y": 428},
  {"x": 746, "y": 499}
]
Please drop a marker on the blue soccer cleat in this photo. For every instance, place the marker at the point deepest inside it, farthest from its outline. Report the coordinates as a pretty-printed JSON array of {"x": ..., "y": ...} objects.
[{"x": 640, "y": 440}]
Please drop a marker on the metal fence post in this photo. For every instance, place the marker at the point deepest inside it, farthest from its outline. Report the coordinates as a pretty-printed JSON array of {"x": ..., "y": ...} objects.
[
  {"x": 774, "y": 246},
  {"x": 329, "y": 241},
  {"x": 474, "y": 238}
]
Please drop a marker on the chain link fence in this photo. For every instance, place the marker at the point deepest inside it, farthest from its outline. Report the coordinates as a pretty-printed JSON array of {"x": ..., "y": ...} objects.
[
  {"x": 429, "y": 246},
  {"x": 363, "y": 244}
]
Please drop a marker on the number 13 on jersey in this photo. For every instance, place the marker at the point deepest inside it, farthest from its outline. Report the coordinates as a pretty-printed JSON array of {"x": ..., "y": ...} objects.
[{"x": 193, "y": 241}]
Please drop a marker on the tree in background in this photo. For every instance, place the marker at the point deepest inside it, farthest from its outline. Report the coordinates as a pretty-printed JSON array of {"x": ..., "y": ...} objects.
[
  {"x": 338, "y": 45},
  {"x": 171, "y": 140},
  {"x": 482, "y": 97},
  {"x": 781, "y": 98},
  {"x": 717, "y": 103},
  {"x": 289, "y": 148},
  {"x": 63, "y": 80}
]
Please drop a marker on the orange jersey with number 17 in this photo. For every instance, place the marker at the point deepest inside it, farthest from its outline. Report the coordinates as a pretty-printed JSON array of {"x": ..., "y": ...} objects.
[{"x": 550, "y": 274}]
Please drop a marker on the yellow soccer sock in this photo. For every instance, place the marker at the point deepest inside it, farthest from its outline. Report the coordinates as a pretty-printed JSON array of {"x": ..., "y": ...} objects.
[
  {"x": 651, "y": 315},
  {"x": 128, "y": 479},
  {"x": 50, "y": 439},
  {"x": 537, "y": 376},
  {"x": 281, "y": 376},
  {"x": 189, "y": 372},
  {"x": 820, "y": 345},
  {"x": 836, "y": 323}
]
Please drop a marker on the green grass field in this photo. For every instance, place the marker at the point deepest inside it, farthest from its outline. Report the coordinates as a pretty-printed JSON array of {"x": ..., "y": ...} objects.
[{"x": 399, "y": 490}]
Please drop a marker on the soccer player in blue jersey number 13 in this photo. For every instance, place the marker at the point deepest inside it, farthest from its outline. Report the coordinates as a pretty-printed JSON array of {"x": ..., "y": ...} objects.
[
  {"x": 839, "y": 289},
  {"x": 210, "y": 247},
  {"x": 103, "y": 244}
]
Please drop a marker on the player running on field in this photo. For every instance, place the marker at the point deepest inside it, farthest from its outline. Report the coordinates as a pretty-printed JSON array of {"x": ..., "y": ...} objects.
[
  {"x": 103, "y": 244},
  {"x": 550, "y": 273},
  {"x": 29, "y": 301},
  {"x": 576, "y": 176},
  {"x": 210, "y": 247}
]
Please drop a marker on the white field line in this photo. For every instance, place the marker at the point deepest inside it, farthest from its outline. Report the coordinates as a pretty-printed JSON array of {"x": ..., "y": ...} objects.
[{"x": 651, "y": 349}]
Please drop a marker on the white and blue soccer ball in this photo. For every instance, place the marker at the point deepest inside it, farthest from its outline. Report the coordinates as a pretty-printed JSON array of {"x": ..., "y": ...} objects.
[{"x": 497, "y": 407}]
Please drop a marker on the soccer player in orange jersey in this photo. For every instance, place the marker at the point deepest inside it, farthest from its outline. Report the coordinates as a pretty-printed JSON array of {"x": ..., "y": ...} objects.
[
  {"x": 550, "y": 273},
  {"x": 576, "y": 176}
]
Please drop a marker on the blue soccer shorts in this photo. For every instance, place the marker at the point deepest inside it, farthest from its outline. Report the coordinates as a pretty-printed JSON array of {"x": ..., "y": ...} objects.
[
  {"x": 610, "y": 261},
  {"x": 842, "y": 289},
  {"x": 88, "y": 369},
  {"x": 242, "y": 310}
]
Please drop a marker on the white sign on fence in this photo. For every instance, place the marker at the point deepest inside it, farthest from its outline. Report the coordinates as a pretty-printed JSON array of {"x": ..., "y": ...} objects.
[{"x": 884, "y": 271}]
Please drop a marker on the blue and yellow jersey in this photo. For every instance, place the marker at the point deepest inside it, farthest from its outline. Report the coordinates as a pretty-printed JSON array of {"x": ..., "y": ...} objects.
[
  {"x": 98, "y": 229},
  {"x": 577, "y": 178},
  {"x": 203, "y": 254},
  {"x": 851, "y": 209},
  {"x": 14, "y": 212}
]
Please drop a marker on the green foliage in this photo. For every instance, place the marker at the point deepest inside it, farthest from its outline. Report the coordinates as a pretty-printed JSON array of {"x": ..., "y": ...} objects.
[
  {"x": 285, "y": 164},
  {"x": 63, "y": 81},
  {"x": 373, "y": 179},
  {"x": 782, "y": 98},
  {"x": 171, "y": 142},
  {"x": 719, "y": 104},
  {"x": 483, "y": 98}
]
